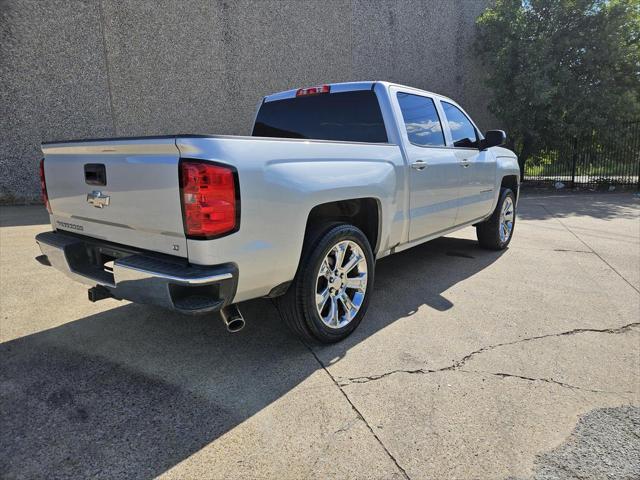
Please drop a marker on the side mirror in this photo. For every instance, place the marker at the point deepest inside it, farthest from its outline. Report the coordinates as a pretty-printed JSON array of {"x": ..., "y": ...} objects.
[{"x": 493, "y": 138}]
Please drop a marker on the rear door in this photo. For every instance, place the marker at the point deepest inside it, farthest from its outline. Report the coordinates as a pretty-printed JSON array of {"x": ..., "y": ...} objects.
[
  {"x": 478, "y": 168},
  {"x": 123, "y": 191},
  {"x": 434, "y": 173}
]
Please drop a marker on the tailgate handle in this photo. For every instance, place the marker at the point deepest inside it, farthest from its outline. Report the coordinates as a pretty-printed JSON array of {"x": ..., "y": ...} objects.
[{"x": 95, "y": 174}]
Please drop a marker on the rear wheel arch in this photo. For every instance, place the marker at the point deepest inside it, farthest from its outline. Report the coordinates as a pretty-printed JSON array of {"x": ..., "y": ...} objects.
[{"x": 364, "y": 213}]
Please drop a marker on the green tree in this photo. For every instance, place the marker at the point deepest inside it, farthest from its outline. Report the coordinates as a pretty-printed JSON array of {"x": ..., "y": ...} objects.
[{"x": 559, "y": 68}]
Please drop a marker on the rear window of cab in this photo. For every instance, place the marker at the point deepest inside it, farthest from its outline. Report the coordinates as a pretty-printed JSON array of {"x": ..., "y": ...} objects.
[{"x": 345, "y": 116}]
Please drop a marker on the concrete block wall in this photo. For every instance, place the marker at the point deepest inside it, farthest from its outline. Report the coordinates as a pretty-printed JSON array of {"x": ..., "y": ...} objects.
[{"x": 102, "y": 68}]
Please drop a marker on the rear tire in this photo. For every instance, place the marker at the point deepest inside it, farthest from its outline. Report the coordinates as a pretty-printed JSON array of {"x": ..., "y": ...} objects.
[
  {"x": 496, "y": 232},
  {"x": 330, "y": 293}
]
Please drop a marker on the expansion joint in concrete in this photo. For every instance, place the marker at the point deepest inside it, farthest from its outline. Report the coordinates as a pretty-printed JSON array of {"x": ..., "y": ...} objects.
[
  {"x": 591, "y": 250},
  {"x": 359, "y": 415}
]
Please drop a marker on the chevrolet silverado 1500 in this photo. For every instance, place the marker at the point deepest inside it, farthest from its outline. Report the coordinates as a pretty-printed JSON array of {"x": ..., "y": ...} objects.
[{"x": 332, "y": 178}]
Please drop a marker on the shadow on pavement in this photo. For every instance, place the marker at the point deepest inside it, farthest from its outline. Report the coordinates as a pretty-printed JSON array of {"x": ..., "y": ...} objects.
[
  {"x": 133, "y": 391},
  {"x": 604, "y": 206},
  {"x": 22, "y": 216}
]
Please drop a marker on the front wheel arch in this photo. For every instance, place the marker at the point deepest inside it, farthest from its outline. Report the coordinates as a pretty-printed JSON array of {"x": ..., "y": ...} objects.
[{"x": 489, "y": 231}]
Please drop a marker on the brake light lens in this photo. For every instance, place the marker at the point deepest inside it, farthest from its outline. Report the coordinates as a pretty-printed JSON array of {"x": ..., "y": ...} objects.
[
  {"x": 210, "y": 202},
  {"x": 43, "y": 187},
  {"x": 301, "y": 92}
]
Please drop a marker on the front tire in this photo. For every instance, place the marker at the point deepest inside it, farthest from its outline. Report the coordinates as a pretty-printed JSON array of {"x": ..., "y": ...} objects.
[
  {"x": 330, "y": 293},
  {"x": 496, "y": 232}
]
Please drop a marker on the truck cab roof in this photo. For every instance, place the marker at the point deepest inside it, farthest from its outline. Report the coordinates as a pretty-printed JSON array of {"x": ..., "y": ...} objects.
[{"x": 349, "y": 87}]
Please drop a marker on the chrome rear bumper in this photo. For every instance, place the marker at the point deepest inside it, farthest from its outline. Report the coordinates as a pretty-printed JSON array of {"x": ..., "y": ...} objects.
[{"x": 141, "y": 277}]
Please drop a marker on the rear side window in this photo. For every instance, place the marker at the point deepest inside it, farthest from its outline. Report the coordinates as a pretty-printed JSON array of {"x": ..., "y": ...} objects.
[
  {"x": 421, "y": 120},
  {"x": 463, "y": 132},
  {"x": 346, "y": 116}
]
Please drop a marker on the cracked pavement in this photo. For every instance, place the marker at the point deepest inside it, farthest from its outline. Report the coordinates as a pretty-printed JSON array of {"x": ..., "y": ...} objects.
[
  {"x": 470, "y": 364},
  {"x": 460, "y": 363}
]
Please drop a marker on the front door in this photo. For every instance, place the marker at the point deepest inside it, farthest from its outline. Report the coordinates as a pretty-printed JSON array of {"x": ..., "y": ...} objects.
[
  {"x": 478, "y": 167},
  {"x": 434, "y": 173},
  {"x": 477, "y": 185}
]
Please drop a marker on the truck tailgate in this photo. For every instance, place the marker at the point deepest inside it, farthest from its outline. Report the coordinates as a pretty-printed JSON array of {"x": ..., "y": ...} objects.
[{"x": 125, "y": 191}]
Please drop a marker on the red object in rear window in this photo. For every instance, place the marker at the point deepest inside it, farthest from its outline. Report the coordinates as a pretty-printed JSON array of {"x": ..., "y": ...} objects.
[
  {"x": 210, "y": 199},
  {"x": 313, "y": 90},
  {"x": 43, "y": 187}
]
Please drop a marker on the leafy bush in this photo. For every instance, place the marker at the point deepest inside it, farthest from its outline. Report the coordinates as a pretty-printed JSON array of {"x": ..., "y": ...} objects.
[{"x": 559, "y": 69}]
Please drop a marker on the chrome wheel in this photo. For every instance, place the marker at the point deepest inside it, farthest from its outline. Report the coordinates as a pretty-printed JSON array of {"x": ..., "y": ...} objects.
[
  {"x": 341, "y": 284},
  {"x": 507, "y": 214}
]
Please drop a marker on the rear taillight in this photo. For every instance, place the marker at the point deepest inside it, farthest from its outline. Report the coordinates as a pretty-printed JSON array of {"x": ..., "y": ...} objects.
[
  {"x": 43, "y": 187},
  {"x": 210, "y": 199},
  {"x": 301, "y": 92}
]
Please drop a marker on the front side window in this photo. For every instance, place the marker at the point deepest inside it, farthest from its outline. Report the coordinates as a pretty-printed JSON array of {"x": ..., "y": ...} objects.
[
  {"x": 463, "y": 132},
  {"x": 421, "y": 120}
]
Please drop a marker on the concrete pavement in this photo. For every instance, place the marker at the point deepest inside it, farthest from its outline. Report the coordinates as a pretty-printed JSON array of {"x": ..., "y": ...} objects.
[{"x": 470, "y": 364}]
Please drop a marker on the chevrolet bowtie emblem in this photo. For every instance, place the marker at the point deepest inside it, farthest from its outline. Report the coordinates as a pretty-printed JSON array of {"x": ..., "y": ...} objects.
[{"x": 98, "y": 199}]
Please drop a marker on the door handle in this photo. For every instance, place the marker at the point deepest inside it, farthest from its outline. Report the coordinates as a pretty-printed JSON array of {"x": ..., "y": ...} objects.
[
  {"x": 418, "y": 165},
  {"x": 465, "y": 163}
]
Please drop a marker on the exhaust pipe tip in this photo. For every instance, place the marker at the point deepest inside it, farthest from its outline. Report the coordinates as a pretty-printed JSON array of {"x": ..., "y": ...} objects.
[
  {"x": 235, "y": 325},
  {"x": 232, "y": 318}
]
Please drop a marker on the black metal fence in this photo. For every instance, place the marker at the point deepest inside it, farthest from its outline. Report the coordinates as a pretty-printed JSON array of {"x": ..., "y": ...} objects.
[{"x": 610, "y": 157}]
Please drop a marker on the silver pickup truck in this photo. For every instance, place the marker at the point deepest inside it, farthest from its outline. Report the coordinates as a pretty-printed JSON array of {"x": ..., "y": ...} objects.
[{"x": 332, "y": 178}]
